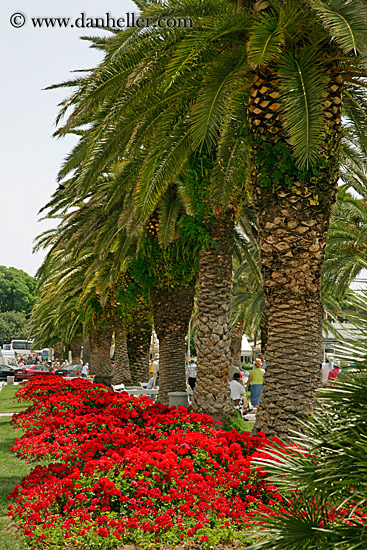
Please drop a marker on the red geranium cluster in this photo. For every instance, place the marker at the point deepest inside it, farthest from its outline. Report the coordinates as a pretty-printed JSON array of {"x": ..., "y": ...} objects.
[{"x": 117, "y": 469}]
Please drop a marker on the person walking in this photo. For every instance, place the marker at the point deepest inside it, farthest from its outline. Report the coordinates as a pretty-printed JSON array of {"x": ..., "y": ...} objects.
[
  {"x": 156, "y": 371},
  {"x": 191, "y": 374},
  {"x": 256, "y": 379}
]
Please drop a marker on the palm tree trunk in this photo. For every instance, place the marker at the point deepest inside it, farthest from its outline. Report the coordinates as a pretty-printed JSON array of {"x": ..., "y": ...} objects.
[
  {"x": 122, "y": 366},
  {"x": 138, "y": 345},
  {"x": 236, "y": 341},
  {"x": 293, "y": 220},
  {"x": 264, "y": 327},
  {"x": 213, "y": 333},
  {"x": 58, "y": 351},
  {"x": 93, "y": 351},
  {"x": 172, "y": 308},
  {"x": 76, "y": 349},
  {"x": 86, "y": 349},
  {"x": 100, "y": 343}
]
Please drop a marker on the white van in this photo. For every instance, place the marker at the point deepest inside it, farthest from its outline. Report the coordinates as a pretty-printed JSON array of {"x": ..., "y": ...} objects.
[{"x": 7, "y": 357}]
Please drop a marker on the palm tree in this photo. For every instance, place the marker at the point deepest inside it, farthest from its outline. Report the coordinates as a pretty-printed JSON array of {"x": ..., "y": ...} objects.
[
  {"x": 162, "y": 263},
  {"x": 347, "y": 241},
  {"x": 159, "y": 95}
]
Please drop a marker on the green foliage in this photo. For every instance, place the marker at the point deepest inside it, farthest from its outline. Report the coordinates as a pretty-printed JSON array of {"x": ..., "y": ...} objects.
[
  {"x": 236, "y": 422},
  {"x": 266, "y": 41},
  {"x": 276, "y": 166},
  {"x": 195, "y": 188},
  {"x": 302, "y": 88},
  {"x": 346, "y": 21},
  {"x": 323, "y": 480},
  {"x": 13, "y": 324},
  {"x": 347, "y": 243},
  {"x": 169, "y": 267},
  {"x": 16, "y": 290}
]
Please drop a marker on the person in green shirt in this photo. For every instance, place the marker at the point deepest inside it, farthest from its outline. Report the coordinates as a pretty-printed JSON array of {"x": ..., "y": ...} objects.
[{"x": 256, "y": 379}]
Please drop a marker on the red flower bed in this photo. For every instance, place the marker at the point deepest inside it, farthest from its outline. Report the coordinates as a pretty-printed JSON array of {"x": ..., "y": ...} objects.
[{"x": 119, "y": 469}]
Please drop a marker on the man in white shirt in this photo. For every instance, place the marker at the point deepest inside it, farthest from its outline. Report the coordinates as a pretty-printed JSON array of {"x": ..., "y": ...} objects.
[
  {"x": 156, "y": 371},
  {"x": 85, "y": 369},
  {"x": 238, "y": 392},
  {"x": 191, "y": 374}
]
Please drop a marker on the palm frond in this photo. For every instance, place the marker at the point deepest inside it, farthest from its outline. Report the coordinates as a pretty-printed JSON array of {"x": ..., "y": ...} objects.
[
  {"x": 346, "y": 22},
  {"x": 266, "y": 41},
  {"x": 300, "y": 81}
]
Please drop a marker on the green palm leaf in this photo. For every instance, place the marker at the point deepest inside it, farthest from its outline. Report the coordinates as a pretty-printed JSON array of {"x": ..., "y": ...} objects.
[
  {"x": 346, "y": 22},
  {"x": 300, "y": 81},
  {"x": 265, "y": 42},
  {"x": 211, "y": 107}
]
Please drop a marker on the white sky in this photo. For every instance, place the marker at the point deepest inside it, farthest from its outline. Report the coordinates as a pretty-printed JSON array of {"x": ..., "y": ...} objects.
[{"x": 31, "y": 59}]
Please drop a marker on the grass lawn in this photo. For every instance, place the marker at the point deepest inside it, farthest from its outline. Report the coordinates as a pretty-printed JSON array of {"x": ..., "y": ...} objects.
[
  {"x": 7, "y": 405},
  {"x": 11, "y": 469}
]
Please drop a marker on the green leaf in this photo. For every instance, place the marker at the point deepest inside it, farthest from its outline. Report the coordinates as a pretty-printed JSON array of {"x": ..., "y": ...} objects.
[
  {"x": 300, "y": 82},
  {"x": 346, "y": 22},
  {"x": 266, "y": 41}
]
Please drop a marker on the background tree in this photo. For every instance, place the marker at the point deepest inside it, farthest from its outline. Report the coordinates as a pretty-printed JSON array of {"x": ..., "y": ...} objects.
[
  {"x": 13, "y": 325},
  {"x": 16, "y": 290}
]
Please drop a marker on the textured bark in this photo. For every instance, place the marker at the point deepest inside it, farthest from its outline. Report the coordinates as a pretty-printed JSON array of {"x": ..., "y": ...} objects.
[
  {"x": 93, "y": 351},
  {"x": 58, "y": 351},
  {"x": 86, "y": 350},
  {"x": 172, "y": 308},
  {"x": 213, "y": 334},
  {"x": 293, "y": 221},
  {"x": 138, "y": 345},
  {"x": 76, "y": 349},
  {"x": 264, "y": 327},
  {"x": 100, "y": 343},
  {"x": 122, "y": 367},
  {"x": 236, "y": 341}
]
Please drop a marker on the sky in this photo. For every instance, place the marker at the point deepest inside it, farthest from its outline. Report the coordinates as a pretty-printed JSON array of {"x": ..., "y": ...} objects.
[{"x": 32, "y": 59}]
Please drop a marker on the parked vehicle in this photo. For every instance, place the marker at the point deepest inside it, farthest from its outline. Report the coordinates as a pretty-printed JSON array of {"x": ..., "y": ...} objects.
[
  {"x": 28, "y": 371},
  {"x": 8, "y": 358},
  {"x": 5, "y": 371},
  {"x": 69, "y": 370}
]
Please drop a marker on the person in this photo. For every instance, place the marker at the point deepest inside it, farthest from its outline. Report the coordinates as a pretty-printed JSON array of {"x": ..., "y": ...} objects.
[
  {"x": 156, "y": 371},
  {"x": 238, "y": 394},
  {"x": 78, "y": 370},
  {"x": 325, "y": 369},
  {"x": 256, "y": 379},
  {"x": 85, "y": 369},
  {"x": 233, "y": 369},
  {"x": 191, "y": 374},
  {"x": 262, "y": 357},
  {"x": 333, "y": 373},
  {"x": 151, "y": 367}
]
